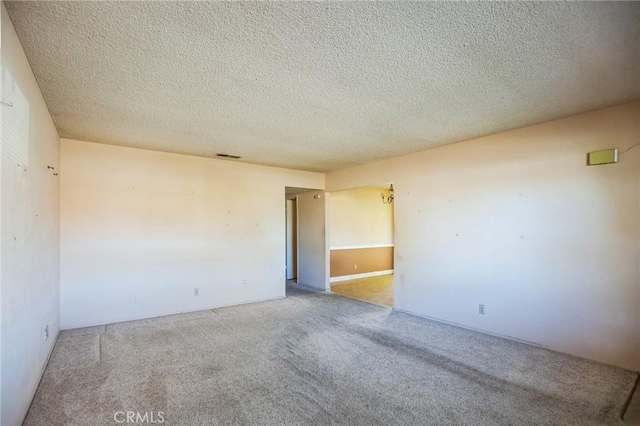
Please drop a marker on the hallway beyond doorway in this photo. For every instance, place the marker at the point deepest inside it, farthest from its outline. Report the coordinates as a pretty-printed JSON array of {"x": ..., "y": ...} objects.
[{"x": 377, "y": 290}]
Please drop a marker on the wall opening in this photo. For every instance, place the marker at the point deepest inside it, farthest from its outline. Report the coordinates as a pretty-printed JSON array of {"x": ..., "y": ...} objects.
[
  {"x": 292, "y": 239},
  {"x": 306, "y": 240},
  {"x": 362, "y": 244}
]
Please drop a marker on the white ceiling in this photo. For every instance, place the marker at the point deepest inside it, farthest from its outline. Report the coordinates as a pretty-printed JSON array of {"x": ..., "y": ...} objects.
[{"x": 322, "y": 86}]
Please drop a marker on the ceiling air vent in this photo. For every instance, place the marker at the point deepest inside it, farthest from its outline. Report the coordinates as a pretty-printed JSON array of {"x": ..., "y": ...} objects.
[{"x": 233, "y": 157}]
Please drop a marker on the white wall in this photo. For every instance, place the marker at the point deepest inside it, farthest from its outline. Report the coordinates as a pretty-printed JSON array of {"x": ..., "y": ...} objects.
[
  {"x": 518, "y": 222},
  {"x": 359, "y": 218},
  {"x": 140, "y": 230},
  {"x": 29, "y": 231}
]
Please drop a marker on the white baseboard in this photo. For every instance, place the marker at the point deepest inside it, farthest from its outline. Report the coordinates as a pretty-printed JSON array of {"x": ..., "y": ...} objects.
[
  {"x": 188, "y": 311},
  {"x": 357, "y": 276},
  {"x": 370, "y": 246},
  {"x": 42, "y": 369},
  {"x": 477, "y": 330},
  {"x": 507, "y": 337}
]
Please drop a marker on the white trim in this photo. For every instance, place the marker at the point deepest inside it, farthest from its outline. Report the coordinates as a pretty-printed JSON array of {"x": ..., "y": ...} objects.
[
  {"x": 364, "y": 275},
  {"x": 503, "y": 336},
  {"x": 44, "y": 367},
  {"x": 477, "y": 330},
  {"x": 144, "y": 317},
  {"x": 360, "y": 247}
]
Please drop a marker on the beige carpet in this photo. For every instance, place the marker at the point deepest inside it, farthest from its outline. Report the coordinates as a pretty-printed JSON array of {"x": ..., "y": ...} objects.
[
  {"x": 317, "y": 359},
  {"x": 377, "y": 290},
  {"x": 632, "y": 415}
]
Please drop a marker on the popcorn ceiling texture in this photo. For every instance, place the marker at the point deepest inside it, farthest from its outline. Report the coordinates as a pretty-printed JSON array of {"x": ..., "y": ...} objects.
[{"x": 322, "y": 86}]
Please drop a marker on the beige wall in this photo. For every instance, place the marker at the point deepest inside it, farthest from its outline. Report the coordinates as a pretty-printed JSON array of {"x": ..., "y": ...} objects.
[
  {"x": 517, "y": 222},
  {"x": 29, "y": 231},
  {"x": 358, "y": 218},
  {"x": 140, "y": 230}
]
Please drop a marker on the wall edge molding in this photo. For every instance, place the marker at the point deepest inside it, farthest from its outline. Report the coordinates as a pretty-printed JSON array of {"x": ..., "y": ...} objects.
[
  {"x": 174, "y": 313},
  {"x": 367, "y": 246},
  {"x": 357, "y": 276},
  {"x": 42, "y": 370}
]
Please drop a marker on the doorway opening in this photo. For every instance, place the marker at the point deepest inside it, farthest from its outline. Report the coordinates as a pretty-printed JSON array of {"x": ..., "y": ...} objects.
[
  {"x": 362, "y": 244},
  {"x": 292, "y": 239},
  {"x": 306, "y": 251}
]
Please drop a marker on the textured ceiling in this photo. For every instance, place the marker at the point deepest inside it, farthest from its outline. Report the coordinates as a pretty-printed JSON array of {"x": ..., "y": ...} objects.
[{"x": 322, "y": 86}]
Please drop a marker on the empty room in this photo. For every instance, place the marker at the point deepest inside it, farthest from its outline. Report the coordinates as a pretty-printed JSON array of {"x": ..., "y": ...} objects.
[{"x": 320, "y": 213}]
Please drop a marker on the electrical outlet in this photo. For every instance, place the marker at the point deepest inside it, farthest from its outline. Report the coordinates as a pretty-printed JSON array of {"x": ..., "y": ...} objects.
[
  {"x": 46, "y": 332},
  {"x": 196, "y": 292},
  {"x": 481, "y": 309},
  {"x": 355, "y": 266}
]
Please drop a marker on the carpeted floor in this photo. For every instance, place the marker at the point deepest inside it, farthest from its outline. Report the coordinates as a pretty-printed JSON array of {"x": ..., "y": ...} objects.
[
  {"x": 632, "y": 414},
  {"x": 317, "y": 359}
]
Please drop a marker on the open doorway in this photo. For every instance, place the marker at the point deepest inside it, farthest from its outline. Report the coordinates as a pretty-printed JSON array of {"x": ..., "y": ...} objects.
[
  {"x": 292, "y": 238},
  {"x": 306, "y": 238},
  {"x": 362, "y": 244}
]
